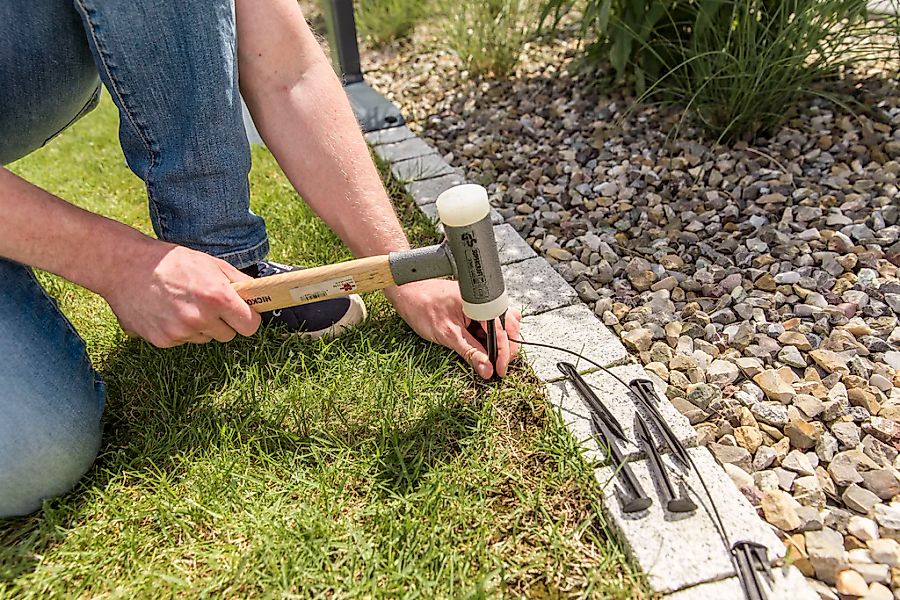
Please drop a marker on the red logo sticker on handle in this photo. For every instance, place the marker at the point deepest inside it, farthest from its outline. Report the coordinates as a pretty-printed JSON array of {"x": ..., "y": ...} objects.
[{"x": 332, "y": 287}]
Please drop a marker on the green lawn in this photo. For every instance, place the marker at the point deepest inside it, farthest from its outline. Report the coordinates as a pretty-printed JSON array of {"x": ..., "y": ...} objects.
[{"x": 375, "y": 465}]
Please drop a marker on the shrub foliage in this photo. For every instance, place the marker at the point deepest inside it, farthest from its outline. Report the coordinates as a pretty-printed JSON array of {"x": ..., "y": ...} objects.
[{"x": 737, "y": 65}]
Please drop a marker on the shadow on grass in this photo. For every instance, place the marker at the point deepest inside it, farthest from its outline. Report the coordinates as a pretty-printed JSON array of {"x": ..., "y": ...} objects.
[
  {"x": 412, "y": 452},
  {"x": 276, "y": 394}
]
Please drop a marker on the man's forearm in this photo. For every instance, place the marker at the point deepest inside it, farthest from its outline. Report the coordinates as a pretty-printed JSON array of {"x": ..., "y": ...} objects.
[
  {"x": 40, "y": 230},
  {"x": 302, "y": 113}
]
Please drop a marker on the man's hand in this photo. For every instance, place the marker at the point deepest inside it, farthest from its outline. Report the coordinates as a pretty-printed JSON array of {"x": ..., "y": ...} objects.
[
  {"x": 434, "y": 310},
  {"x": 170, "y": 295}
]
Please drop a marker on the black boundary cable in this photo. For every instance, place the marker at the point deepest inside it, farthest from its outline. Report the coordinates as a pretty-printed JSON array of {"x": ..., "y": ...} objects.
[{"x": 717, "y": 522}]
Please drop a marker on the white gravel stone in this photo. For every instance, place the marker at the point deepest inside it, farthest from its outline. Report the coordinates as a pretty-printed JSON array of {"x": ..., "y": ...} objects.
[
  {"x": 888, "y": 516},
  {"x": 722, "y": 372},
  {"x": 826, "y": 553},
  {"x": 892, "y": 358},
  {"x": 885, "y": 551},
  {"x": 862, "y": 528}
]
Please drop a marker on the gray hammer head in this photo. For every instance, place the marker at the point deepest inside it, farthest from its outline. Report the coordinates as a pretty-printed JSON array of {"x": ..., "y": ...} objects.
[{"x": 465, "y": 213}]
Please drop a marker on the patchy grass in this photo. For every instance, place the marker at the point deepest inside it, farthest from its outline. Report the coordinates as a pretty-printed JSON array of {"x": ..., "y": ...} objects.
[
  {"x": 384, "y": 21},
  {"x": 374, "y": 465}
]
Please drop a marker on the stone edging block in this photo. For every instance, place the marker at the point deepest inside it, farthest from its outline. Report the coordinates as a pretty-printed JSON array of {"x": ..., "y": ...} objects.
[
  {"x": 409, "y": 148},
  {"x": 420, "y": 168},
  {"x": 391, "y": 135},
  {"x": 427, "y": 191},
  {"x": 583, "y": 333},
  {"x": 510, "y": 245},
  {"x": 535, "y": 287},
  {"x": 621, "y": 403},
  {"x": 680, "y": 551}
]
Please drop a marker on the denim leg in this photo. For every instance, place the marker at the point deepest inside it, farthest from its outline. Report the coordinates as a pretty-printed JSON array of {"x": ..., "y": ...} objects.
[
  {"x": 51, "y": 399},
  {"x": 171, "y": 68},
  {"x": 47, "y": 74}
]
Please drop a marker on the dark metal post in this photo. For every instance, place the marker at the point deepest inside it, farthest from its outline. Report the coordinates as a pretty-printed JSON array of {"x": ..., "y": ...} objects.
[
  {"x": 342, "y": 39},
  {"x": 373, "y": 111}
]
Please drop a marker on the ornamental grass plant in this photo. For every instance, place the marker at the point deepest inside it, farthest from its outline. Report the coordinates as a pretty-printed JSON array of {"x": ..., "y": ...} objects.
[
  {"x": 489, "y": 35},
  {"x": 738, "y": 67},
  {"x": 385, "y": 21}
]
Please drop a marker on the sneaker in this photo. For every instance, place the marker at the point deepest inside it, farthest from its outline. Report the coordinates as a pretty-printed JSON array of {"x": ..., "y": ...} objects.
[{"x": 324, "y": 318}]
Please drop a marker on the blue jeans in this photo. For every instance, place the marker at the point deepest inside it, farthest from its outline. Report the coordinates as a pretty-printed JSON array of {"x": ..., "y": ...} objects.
[{"x": 171, "y": 69}]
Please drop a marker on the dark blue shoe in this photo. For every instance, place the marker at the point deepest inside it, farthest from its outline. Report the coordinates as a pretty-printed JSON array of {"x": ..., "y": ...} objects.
[{"x": 316, "y": 319}]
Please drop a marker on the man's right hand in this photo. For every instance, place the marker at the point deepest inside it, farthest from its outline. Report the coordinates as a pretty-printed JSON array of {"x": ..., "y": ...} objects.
[{"x": 170, "y": 295}]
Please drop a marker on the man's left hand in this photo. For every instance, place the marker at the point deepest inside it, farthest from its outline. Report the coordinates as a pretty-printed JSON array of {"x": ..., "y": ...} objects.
[{"x": 434, "y": 310}]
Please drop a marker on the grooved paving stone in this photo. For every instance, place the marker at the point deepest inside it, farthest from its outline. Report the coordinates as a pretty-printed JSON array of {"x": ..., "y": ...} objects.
[
  {"x": 511, "y": 246},
  {"x": 409, "y": 148},
  {"x": 679, "y": 551},
  {"x": 621, "y": 403},
  {"x": 535, "y": 287},
  {"x": 789, "y": 585},
  {"x": 427, "y": 191},
  {"x": 575, "y": 328},
  {"x": 422, "y": 167},
  {"x": 392, "y": 135}
]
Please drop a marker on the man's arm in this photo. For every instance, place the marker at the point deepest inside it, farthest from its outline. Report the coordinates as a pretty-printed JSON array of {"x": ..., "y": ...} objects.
[
  {"x": 167, "y": 294},
  {"x": 302, "y": 113},
  {"x": 40, "y": 230}
]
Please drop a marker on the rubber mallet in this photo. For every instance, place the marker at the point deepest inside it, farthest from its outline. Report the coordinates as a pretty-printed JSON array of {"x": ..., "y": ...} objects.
[{"x": 469, "y": 254}]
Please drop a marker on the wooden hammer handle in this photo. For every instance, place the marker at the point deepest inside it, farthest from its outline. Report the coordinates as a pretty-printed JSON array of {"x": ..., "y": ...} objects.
[{"x": 319, "y": 283}]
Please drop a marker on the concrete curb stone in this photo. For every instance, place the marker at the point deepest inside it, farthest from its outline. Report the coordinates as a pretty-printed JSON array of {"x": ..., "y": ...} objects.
[
  {"x": 427, "y": 191},
  {"x": 789, "y": 585},
  {"x": 583, "y": 333},
  {"x": 422, "y": 167},
  {"x": 391, "y": 135},
  {"x": 510, "y": 245},
  {"x": 535, "y": 287},
  {"x": 677, "y": 551},
  {"x": 409, "y": 148}
]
